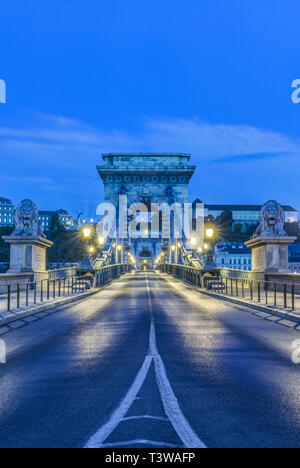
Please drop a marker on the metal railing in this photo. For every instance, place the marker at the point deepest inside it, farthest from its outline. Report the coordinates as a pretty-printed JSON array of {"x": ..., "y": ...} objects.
[
  {"x": 280, "y": 295},
  {"x": 185, "y": 273},
  {"x": 63, "y": 273},
  {"x": 24, "y": 295},
  {"x": 273, "y": 294},
  {"x": 108, "y": 273}
]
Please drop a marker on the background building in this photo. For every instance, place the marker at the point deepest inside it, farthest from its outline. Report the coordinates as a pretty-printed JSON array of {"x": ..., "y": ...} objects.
[
  {"x": 247, "y": 215},
  {"x": 233, "y": 255},
  {"x": 294, "y": 258},
  {"x": 7, "y": 211},
  {"x": 66, "y": 219},
  {"x": 45, "y": 217}
]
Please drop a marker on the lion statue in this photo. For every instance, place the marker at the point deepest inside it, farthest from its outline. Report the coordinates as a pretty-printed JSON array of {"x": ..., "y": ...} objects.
[
  {"x": 27, "y": 220},
  {"x": 272, "y": 221}
]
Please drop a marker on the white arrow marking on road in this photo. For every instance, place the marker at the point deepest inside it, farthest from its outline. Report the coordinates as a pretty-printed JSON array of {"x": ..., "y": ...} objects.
[{"x": 170, "y": 403}]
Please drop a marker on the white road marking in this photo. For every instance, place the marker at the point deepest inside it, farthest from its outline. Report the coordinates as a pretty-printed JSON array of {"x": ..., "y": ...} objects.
[
  {"x": 145, "y": 416},
  {"x": 97, "y": 439},
  {"x": 154, "y": 443},
  {"x": 170, "y": 403}
]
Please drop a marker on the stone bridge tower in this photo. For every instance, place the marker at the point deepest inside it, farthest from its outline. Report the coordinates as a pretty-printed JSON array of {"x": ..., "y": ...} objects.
[{"x": 146, "y": 178}]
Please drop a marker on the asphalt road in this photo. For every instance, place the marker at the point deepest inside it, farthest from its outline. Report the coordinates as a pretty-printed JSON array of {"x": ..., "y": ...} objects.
[{"x": 149, "y": 362}]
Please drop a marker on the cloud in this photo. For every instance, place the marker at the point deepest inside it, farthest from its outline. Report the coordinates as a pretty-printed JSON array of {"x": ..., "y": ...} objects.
[
  {"x": 215, "y": 141},
  {"x": 53, "y": 158},
  {"x": 251, "y": 157}
]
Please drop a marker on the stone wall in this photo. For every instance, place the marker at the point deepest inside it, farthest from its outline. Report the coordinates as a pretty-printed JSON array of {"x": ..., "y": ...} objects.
[
  {"x": 285, "y": 278},
  {"x": 241, "y": 274},
  {"x": 13, "y": 279}
]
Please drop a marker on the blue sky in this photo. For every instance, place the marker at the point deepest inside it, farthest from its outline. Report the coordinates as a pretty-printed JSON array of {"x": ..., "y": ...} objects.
[{"x": 208, "y": 78}]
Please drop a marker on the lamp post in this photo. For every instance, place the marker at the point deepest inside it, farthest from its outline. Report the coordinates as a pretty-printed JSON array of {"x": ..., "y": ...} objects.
[
  {"x": 210, "y": 258},
  {"x": 119, "y": 248},
  {"x": 172, "y": 253},
  {"x": 101, "y": 241},
  {"x": 86, "y": 263},
  {"x": 87, "y": 232}
]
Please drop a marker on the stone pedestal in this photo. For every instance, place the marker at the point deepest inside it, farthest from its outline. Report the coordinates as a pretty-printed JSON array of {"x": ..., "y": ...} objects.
[
  {"x": 270, "y": 254},
  {"x": 28, "y": 255}
]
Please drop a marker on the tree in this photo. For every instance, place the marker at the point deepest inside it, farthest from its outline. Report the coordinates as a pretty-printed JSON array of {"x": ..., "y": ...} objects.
[
  {"x": 224, "y": 224},
  {"x": 292, "y": 229},
  {"x": 69, "y": 247},
  {"x": 238, "y": 227},
  {"x": 56, "y": 225},
  {"x": 251, "y": 230},
  {"x": 4, "y": 247}
]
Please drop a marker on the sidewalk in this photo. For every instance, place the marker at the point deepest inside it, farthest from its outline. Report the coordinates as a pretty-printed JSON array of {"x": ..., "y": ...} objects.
[
  {"x": 16, "y": 314},
  {"x": 258, "y": 308},
  {"x": 255, "y": 305}
]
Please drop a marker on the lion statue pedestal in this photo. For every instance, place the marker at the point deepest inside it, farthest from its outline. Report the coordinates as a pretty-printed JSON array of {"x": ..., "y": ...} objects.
[
  {"x": 28, "y": 243},
  {"x": 270, "y": 242}
]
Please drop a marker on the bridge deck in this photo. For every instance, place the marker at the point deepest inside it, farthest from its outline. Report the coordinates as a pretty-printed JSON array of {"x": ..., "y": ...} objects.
[{"x": 195, "y": 372}]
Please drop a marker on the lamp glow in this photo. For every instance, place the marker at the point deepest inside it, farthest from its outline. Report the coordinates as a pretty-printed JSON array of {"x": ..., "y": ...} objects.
[
  {"x": 87, "y": 232},
  {"x": 209, "y": 233}
]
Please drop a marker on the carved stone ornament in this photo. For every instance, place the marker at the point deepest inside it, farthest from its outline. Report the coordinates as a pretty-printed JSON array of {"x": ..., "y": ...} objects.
[
  {"x": 272, "y": 221},
  {"x": 27, "y": 220}
]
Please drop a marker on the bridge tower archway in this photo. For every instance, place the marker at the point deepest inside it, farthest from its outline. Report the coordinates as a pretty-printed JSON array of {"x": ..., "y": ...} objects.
[{"x": 145, "y": 260}]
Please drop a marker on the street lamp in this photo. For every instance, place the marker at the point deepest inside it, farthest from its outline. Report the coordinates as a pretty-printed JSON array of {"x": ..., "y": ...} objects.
[
  {"x": 87, "y": 232},
  {"x": 101, "y": 241},
  {"x": 210, "y": 260},
  {"x": 209, "y": 233}
]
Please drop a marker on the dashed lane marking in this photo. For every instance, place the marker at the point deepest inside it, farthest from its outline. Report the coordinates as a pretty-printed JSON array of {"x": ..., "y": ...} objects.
[
  {"x": 130, "y": 443},
  {"x": 171, "y": 406}
]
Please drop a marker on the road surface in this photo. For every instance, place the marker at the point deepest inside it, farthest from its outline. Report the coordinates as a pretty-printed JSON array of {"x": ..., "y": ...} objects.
[{"x": 149, "y": 362}]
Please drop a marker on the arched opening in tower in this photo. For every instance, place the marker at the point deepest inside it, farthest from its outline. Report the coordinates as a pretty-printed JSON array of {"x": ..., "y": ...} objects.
[{"x": 145, "y": 260}]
